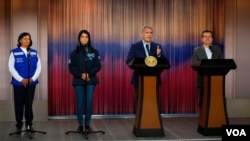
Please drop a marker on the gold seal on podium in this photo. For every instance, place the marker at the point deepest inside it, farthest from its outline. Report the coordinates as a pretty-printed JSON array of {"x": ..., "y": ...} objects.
[{"x": 150, "y": 61}]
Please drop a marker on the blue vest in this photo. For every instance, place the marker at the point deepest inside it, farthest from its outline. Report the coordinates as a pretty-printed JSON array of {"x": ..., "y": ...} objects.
[{"x": 22, "y": 63}]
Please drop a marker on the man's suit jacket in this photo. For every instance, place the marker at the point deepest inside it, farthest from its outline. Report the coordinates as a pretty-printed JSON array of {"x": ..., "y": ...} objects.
[
  {"x": 200, "y": 53},
  {"x": 137, "y": 51}
]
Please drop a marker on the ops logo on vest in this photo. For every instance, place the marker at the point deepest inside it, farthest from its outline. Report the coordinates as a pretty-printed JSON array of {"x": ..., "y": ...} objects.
[{"x": 235, "y": 132}]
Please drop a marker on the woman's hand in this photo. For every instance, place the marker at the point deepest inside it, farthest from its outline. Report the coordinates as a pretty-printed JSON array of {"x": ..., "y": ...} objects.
[{"x": 85, "y": 77}]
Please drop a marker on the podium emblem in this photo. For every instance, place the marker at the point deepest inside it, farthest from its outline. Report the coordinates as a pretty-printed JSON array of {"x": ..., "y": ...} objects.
[{"x": 150, "y": 61}]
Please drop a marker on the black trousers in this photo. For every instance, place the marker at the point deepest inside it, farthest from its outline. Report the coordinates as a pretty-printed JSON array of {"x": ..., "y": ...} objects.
[
  {"x": 23, "y": 100},
  {"x": 135, "y": 98}
]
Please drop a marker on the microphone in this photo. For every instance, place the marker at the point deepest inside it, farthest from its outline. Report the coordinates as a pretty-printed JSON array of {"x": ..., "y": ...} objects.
[
  {"x": 86, "y": 49},
  {"x": 28, "y": 51},
  {"x": 87, "y": 52},
  {"x": 28, "y": 55},
  {"x": 212, "y": 51}
]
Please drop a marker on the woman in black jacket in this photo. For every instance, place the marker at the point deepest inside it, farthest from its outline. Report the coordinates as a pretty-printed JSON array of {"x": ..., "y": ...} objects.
[{"x": 84, "y": 63}]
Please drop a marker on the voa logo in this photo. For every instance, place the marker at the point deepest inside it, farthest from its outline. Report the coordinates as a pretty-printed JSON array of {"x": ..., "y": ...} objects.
[{"x": 236, "y": 132}]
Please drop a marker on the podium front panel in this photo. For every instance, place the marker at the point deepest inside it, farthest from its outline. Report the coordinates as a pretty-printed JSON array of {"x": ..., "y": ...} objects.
[
  {"x": 213, "y": 113},
  {"x": 150, "y": 109},
  {"x": 148, "y": 120}
]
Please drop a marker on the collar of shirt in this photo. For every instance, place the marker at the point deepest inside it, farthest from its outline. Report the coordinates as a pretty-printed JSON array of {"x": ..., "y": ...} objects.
[
  {"x": 144, "y": 44},
  {"x": 24, "y": 50}
]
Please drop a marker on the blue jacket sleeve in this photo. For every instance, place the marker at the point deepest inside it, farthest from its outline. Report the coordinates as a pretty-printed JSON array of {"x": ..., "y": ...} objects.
[
  {"x": 74, "y": 70},
  {"x": 131, "y": 54}
]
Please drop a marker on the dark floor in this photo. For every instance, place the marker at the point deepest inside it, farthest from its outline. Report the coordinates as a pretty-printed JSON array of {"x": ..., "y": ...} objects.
[{"x": 175, "y": 129}]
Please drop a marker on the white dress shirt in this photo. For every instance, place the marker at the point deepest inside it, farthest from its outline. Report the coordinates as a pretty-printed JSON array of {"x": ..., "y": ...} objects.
[{"x": 208, "y": 52}]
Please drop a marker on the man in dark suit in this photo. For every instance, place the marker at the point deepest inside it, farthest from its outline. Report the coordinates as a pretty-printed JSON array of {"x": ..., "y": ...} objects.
[
  {"x": 142, "y": 49},
  {"x": 205, "y": 51}
]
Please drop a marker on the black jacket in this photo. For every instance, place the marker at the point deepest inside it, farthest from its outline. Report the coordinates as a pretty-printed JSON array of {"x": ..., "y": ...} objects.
[{"x": 84, "y": 62}]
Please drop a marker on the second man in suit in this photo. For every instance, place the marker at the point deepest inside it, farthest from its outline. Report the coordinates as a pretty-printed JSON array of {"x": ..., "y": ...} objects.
[{"x": 205, "y": 51}]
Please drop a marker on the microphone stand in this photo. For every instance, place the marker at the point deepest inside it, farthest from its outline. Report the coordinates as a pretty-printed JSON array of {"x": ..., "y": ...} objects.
[
  {"x": 28, "y": 107},
  {"x": 212, "y": 51},
  {"x": 85, "y": 132}
]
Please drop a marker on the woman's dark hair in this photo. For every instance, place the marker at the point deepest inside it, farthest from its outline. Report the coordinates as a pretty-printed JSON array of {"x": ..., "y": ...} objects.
[
  {"x": 20, "y": 38},
  {"x": 89, "y": 44},
  {"x": 207, "y": 31}
]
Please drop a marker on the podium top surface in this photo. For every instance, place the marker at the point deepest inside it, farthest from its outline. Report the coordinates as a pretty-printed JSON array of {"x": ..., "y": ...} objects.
[
  {"x": 215, "y": 66},
  {"x": 140, "y": 62},
  {"x": 218, "y": 63}
]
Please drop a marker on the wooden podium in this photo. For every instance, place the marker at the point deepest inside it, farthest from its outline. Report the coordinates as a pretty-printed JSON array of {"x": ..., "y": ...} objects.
[
  {"x": 213, "y": 112},
  {"x": 148, "y": 120}
]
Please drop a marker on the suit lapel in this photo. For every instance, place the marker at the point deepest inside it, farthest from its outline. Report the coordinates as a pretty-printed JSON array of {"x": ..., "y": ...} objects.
[
  {"x": 141, "y": 47},
  {"x": 203, "y": 53}
]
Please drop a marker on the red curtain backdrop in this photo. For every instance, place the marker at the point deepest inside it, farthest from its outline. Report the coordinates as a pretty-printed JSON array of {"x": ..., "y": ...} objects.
[{"x": 116, "y": 24}]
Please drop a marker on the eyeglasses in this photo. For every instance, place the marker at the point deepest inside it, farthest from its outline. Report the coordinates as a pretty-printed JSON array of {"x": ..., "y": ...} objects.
[{"x": 207, "y": 37}]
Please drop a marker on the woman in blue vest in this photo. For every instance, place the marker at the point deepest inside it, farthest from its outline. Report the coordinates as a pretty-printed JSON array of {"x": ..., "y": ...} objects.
[
  {"x": 25, "y": 67},
  {"x": 84, "y": 63}
]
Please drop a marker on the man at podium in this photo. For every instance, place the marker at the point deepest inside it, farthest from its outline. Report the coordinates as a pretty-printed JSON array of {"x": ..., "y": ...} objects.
[
  {"x": 205, "y": 51},
  {"x": 141, "y": 49}
]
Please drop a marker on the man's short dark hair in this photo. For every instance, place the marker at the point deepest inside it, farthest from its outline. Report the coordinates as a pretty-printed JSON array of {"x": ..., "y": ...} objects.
[{"x": 207, "y": 31}]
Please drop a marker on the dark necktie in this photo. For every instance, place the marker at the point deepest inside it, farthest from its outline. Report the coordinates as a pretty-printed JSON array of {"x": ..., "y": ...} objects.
[{"x": 147, "y": 47}]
